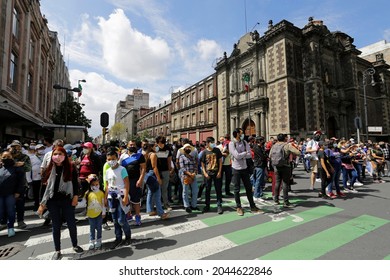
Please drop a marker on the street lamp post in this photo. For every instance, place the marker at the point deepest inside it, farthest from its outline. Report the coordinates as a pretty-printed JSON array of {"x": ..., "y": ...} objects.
[
  {"x": 366, "y": 73},
  {"x": 57, "y": 86}
]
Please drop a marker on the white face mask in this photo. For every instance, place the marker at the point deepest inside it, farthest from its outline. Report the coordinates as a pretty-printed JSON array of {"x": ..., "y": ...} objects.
[
  {"x": 157, "y": 148},
  {"x": 242, "y": 136},
  {"x": 85, "y": 151},
  {"x": 95, "y": 188},
  {"x": 112, "y": 163}
]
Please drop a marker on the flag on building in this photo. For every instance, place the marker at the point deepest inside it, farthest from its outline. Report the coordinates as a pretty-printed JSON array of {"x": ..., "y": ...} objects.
[{"x": 81, "y": 90}]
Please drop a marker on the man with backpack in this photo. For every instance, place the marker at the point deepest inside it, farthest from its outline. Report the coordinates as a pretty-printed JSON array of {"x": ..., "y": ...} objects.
[
  {"x": 239, "y": 150},
  {"x": 279, "y": 155}
]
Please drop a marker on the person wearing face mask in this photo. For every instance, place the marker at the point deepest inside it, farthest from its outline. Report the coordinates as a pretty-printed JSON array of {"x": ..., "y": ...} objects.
[
  {"x": 34, "y": 176},
  {"x": 61, "y": 195},
  {"x": 89, "y": 163},
  {"x": 117, "y": 198},
  {"x": 12, "y": 183},
  {"x": 240, "y": 151},
  {"x": 211, "y": 162},
  {"x": 21, "y": 160},
  {"x": 96, "y": 211},
  {"x": 136, "y": 167},
  {"x": 312, "y": 148},
  {"x": 187, "y": 173},
  {"x": 164, "y": 159}
]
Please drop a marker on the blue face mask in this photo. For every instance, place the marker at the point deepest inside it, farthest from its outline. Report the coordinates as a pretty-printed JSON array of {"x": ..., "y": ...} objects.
[
  {"x": 242, "y": 136},
  {"x": 212, "y": 145}
]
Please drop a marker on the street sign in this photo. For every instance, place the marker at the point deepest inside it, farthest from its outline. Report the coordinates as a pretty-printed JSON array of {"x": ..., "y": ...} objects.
[
  {"x": 377, "y": 129},
  {"x": 358, "y": 123},
  {"x": 104, "y": 119}
]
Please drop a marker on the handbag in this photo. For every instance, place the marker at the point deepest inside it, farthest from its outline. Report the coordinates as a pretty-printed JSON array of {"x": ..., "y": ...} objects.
[
  {"x": 188, "y": 180},
  {"x": 151, "y": 181},
  {"x": 307, "y": 156}
]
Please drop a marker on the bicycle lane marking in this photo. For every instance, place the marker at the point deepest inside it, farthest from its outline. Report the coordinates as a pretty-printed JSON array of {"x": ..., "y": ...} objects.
[
  {"x": 205, "y": 248},
  {"x": 325, "y": 241}
]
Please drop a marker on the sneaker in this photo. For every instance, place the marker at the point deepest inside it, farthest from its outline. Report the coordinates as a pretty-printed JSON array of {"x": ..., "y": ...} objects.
[
  {"x": 127, "y": 241},
  {"x": 229, "y": 194},
  {"x": 358, "y": 184},
  {"x": 287, "y": 204},
  {"x": 376, "y": 181},
  {"x": 206, "y": 209},
  {"x": 353, "y": 190},
  {"x": 78, "y": 249},
  {"x": 129, "y": 217},
  {"x": 348, "y": 183},
  {"x": 256, "y": 210},
  {"x": 324, "y": 196},
  {"x": 240, "y": 212},
  {"x": 258, "y": 199},
  {"x": 57, "y": 256},
  {"x": 318, "y": 180},
  {"x": 46, "y": 223},
  {"x": 346, "y": 190},
  {"x": 311, "y": 188},
  {"x": 276, "y": 202},
  {"x": 331, "y": 195},
  {"x": 220, "y": 210},
  {"x": 168, "y": 207},
  {"x": 106, "y": 226},
  {"x": 340, "y": 194},
  {"x": 188, "y": 210},
  {"x": 91, "y": 245},
  {"x": 11, "y": 232},
  {"x": 153, "y": 213},
  {"x": 21, "y": 225},
  {"x": 98, "y": 244},
  {"x": 195, "y": 209},
  {"x": 3, "y": 227},
  {"x": 116, "y": 243},
  {"x": 164, "y": 216},
  {"x": 137, "y": 220}
]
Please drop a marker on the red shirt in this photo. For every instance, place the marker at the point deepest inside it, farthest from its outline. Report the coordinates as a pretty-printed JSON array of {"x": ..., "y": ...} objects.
[{"x": 86, "y": 167}]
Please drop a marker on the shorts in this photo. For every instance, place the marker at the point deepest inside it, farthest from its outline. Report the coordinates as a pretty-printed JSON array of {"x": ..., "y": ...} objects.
[
  {"x": 135, "y": 193},
  {"x": 314, "y": 165}
]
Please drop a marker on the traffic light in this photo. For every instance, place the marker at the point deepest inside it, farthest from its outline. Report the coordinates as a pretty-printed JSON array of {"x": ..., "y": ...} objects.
[
  {"x": 105, "y": 130},
  {"x": 104, "y": 119}
]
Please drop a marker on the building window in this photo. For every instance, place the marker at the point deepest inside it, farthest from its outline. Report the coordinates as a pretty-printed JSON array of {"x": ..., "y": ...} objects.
[
  {"x": 201, "y": 116},
  {"x": 175, "y": 105},
  {"x": 210, "y": 90},
  {"x": 193, "y": 119},
  {"x": 182, "y": 102},
  {"x": 188, "y": 100},
  {"x": 174, "y": 123},
  {"x": 193, "y": 98},
  {"x": 210, "y": 118},
  {"x": 188, "y": 120},
  {"x": 182, "y": 122},
  {"x": 13, "y": 71},
  {"x": 29, "y": 92},
  {"x": 201, "y": 93},
  {"x": 15, "y": 23}
]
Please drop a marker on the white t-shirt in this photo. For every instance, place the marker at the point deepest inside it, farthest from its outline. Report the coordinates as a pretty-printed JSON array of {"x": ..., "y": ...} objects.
[
  {"x": 115, "y": 178},
  {"x": 313, "y": 144}
]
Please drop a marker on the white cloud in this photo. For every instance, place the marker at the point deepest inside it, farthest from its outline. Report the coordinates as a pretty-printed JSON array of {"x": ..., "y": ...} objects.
[
  {"x": 386, "y": 35},
  {"x": 129, "y": 54},
  {"x": 99, "y": 95}
]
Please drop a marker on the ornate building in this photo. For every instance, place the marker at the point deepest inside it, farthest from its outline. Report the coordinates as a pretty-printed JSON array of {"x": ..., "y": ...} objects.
[
  {"x": 296, "y": 81},
  {"x": 30, "y": 63}
]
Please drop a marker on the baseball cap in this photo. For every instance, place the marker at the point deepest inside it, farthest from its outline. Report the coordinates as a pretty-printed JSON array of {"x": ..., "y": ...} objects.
[
  {"x": 317, "y": 132},
  {"x": 88, "y": 145},
  {"x": 39, "y": 146},
  {"x": 16, "y": 143}
]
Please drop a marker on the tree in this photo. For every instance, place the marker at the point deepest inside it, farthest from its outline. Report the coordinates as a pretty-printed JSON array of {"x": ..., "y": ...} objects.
[
  {"x": 117, "y": 130},
  {"x": 74, "y": 112}
]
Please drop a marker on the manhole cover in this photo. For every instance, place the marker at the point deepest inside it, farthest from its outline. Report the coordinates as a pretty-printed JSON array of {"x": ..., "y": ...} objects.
[{"x": 10, "y": 250}]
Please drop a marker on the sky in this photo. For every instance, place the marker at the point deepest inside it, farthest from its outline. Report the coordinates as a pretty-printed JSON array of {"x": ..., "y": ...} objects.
[{"x": 161, "y": 46}]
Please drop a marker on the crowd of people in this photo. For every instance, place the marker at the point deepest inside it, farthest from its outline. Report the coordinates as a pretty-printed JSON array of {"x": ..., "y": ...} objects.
[{"x": 112, "y": 181}]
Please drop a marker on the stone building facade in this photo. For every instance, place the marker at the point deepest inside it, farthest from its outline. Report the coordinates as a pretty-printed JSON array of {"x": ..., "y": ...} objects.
[
  {"x": 296, "y": 81},
  {"x": 30, "y": 63}
]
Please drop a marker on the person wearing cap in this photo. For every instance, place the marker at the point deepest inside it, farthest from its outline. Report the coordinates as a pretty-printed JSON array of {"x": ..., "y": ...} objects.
[
  {"x": 21, "y": 160},
  {"x": 312, "y": 148},
  {"x": 88, "y": 163},
  {"x": 187, "y": 173},
  {"x": 34, "y": 176}
]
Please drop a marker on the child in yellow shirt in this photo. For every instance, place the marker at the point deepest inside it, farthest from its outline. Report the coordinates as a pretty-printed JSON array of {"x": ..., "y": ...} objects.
[{"x": 96, "y": 211}]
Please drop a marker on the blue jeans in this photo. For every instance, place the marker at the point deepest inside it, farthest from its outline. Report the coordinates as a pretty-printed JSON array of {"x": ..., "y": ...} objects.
[
  {"x": 351, "y": 173},
  {"x": 62, "y": 209},
  {"x": 154, "y": 199},
  {"x": 194, "y": 193},
  {"x": 7, "y": 204},
  {"x": 120, "y": 223},
  {"x": 95, "y": 225},
  {"x": 258, "y": 175}
]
